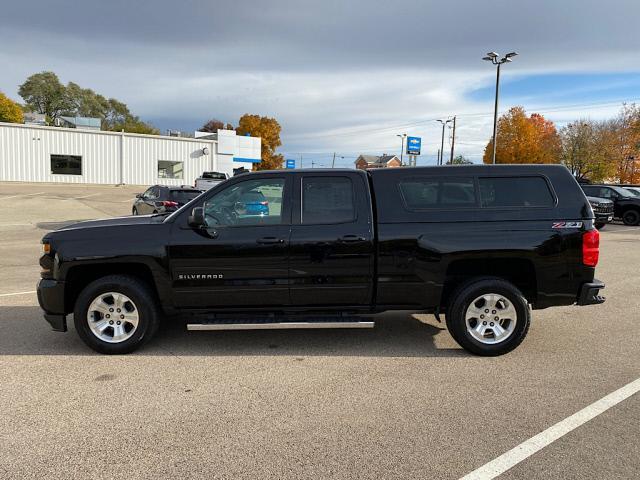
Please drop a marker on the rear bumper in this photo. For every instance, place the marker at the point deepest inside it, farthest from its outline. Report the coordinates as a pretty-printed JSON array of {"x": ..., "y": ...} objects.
[
  {"x": 51, "y": 300},
  {"x": 589, "y": 293}
]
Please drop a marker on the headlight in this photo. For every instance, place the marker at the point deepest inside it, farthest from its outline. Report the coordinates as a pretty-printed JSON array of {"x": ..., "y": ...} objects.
[{"x": 46, "y": 248}]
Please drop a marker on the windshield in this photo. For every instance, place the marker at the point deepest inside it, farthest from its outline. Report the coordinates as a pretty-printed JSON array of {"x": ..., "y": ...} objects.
[
  {"x": 184, "y": 196},
  {"x": 635, "y": 191},
  {"x": 623, "y": 192},
  {"x": 214, "y": 176}
]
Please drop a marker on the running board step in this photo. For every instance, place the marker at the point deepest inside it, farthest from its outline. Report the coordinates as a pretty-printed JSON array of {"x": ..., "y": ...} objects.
[{"x": 281, "y": 324}]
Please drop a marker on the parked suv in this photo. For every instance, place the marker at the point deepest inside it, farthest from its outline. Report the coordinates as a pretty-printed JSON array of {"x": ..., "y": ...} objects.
[
  {"x": 603, "y": 211},
  {"x": 626, "y": 205},
  {"x": 162, "y": 199},
  {"x": 481, "y": 245}
]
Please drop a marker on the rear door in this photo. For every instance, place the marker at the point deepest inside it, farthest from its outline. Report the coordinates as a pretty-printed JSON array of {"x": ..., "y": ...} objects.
[{"x": 331, "y": 251}]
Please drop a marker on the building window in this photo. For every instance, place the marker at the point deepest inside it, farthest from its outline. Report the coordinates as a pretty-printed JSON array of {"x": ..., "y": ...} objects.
[
  {"x": 66, "y": 164},
  {"x": 169, "y": 169}
]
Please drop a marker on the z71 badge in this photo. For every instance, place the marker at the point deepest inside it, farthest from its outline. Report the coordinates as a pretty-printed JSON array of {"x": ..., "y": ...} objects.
[{"x": 567, "y": 225}]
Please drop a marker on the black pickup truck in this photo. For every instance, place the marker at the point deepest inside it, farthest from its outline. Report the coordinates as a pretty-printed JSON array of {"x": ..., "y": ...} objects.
[{"x": 482, "y": 245}]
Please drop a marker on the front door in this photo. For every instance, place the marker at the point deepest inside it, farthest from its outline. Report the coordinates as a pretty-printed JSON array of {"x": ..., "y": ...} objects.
[
  {"x": 240, "y": 259},
  {"x": 331, "y": 259}
]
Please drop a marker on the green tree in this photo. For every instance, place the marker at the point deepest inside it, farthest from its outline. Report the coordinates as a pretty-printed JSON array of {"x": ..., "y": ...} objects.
[
  {"x": 459, "y": 160},
  {"x": 586, "y": 150},
  {"x": 43, "y": 93},
  {"x": 10, "y": 111},
  {"x": 213, "y": 125},
  {"x": 269, "y": 130}
]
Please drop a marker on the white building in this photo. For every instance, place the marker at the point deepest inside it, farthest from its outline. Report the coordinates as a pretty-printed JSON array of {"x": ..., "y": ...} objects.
[{"x": 34, "y": 153}]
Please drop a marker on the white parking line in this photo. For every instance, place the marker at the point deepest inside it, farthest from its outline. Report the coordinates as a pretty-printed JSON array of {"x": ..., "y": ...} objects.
[
  {"x": 84, "y": 196},
  {"x": 523, "y": 451},
  {"x": 22, "y": 195},
  {"x": 16, "y": 293}
]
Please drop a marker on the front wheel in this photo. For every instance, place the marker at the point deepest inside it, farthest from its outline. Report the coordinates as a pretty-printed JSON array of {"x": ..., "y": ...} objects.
[
  {"x": 488, "y": 317},
  {"x": 631, "y": 217},
  {"x": 116, "y": 314}
]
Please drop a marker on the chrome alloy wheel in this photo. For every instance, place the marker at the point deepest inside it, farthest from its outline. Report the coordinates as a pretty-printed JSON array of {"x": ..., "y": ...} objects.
[
  {"x": 491, "y": 318},
  {"x": 112, "y": 317}
]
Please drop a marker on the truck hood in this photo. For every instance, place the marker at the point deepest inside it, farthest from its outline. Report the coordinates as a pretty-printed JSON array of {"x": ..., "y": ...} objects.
[{"x": 116, "y": 222}]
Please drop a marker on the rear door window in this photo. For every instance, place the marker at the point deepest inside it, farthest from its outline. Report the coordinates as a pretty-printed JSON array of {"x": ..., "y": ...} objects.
[
  {"x": 184, "y": 196},
  {"x": 515, "y": 192},
  {"x": 434, "y": 192},
  {"x": 327, "y": 200}
]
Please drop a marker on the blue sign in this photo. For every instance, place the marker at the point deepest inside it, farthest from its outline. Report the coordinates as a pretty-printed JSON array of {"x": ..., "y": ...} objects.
[
  {"x": 413, "y": 145},
  {"x": 291, "y": 164}
]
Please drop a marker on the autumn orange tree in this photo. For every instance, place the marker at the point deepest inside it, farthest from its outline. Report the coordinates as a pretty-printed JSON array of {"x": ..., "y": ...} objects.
[
  {"x": 624, "y": 135},
  {"x": 10, "y": 111},
  {"x": 269, "y": 131},
  {"x": 524, "y": 139}
]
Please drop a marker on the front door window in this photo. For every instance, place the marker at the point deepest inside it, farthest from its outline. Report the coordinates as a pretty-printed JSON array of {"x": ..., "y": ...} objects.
[{"x": 253, "y": 202}]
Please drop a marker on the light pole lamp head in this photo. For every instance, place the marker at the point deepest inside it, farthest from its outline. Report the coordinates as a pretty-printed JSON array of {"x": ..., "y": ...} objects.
[
  {"x": 492, "y": 55},
  {"x": 511, "y": 54}
]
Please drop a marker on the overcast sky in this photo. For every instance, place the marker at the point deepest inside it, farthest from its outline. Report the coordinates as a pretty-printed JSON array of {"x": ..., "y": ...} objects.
[{"x": 344, "y": 76}]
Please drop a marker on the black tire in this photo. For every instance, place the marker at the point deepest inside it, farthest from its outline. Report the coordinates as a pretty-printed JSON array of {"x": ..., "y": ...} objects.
[
  {"x": 134, "y": 211},
  {"x": 631, "y": 217},
  {"x": 461, "y": 300},
  {"x": 599, "y": 226},
  {"x": 144, "y": 301}
]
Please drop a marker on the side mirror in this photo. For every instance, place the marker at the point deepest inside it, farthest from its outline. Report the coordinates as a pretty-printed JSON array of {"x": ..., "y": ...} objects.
[
  {"x": 196, "y": 219},
  {"x": 138, "y": 195}
]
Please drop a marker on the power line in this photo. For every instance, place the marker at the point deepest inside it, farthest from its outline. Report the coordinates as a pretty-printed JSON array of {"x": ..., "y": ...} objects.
[{"x": 547, "y": 109}]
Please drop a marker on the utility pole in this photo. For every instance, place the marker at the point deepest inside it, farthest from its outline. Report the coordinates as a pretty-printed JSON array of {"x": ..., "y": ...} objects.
[
  {"x": 444, "y": 124},
  {"x": 333, "y": 162},
  {"x": 438, "y": 159},
  {"x": 493, "y": 58},
  {"x": 453, "y": 140},
  {"x": 300, "y": 160}
]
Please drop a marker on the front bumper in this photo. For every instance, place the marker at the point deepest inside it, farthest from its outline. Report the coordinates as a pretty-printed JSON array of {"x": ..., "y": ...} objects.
[
  {"x": 51, "y": 300},
  {"x": 589, "y": 293}
]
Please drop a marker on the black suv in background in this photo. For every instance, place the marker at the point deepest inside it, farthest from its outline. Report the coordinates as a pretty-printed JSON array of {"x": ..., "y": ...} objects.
[
  {"x": 603, "y": 211},
  {"x": 161, "y": 199},
  {"x": 626, "y": 205}
]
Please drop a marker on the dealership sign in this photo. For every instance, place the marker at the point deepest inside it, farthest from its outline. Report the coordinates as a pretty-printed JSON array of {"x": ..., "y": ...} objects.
[
  {"x": 291, "y": 164},
  {"x": 413, "y": 145}
]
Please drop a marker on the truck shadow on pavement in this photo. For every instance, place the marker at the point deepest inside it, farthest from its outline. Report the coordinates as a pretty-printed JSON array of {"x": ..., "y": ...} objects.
[{"x": 23, "y": 331}]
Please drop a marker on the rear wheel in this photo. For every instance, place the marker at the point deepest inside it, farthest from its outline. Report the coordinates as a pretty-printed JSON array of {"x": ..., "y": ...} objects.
[
  {"x": 116, "y": 314},
  {"x": 631, "y": 217},
  {"x": 488, "y": 317},
  {"x": 599, "y": 225}
]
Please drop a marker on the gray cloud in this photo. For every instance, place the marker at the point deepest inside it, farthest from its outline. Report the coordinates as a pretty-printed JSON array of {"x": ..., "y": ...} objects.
[{"x": 324, "y": 69}]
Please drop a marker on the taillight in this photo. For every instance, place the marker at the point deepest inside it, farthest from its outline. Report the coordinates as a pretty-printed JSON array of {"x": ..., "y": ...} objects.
[
  {"x": 590, "y": 247},
  {"x": 168, "y": 203},
  {"x": 264, "y": 203}
]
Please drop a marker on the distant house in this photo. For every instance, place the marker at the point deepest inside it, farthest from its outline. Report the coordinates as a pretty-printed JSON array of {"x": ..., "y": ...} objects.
[
  {"x": 83, "y": 123},
  {"x": 365, "y": 162}
]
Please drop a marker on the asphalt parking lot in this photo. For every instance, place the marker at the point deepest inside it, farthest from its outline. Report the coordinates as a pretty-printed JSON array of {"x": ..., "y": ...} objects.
[{"x": 399, "y": 401}]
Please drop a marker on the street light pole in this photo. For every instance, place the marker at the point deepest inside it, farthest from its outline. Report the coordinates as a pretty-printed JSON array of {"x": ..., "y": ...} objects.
[
  {"x": 402, "y": 137},
  {"x": 493, "y": 58}
]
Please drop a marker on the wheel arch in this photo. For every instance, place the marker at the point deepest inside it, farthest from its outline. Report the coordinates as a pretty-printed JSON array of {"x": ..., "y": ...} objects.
[
  {"x": 79, "y": 276},
  {"x": 518, "y": 271}
]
